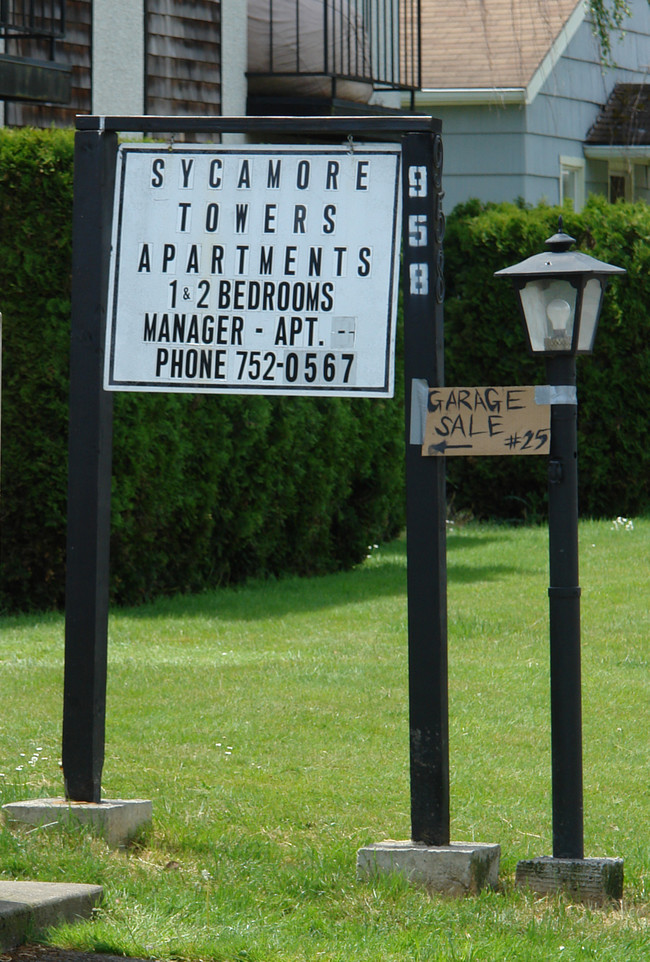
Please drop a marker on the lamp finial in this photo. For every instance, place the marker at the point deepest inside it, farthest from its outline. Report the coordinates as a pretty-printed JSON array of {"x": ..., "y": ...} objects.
[{"x": 560, "y": 241}]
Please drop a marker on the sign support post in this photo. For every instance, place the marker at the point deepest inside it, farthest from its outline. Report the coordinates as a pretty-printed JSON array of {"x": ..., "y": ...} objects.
[
  {"x": 564, "y": 615},
  {"x": 428, "y": 857},
  {"x": 89, "y": 472},
  {"x": 425, "y": 494}
]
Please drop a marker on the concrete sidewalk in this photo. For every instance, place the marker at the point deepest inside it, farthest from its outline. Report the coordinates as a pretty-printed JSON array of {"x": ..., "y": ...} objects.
[{"x": 28, "y": 908}]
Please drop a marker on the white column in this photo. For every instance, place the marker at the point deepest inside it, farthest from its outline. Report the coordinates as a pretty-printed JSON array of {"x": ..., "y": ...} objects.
[
  {"x": 234, "y": 61},
  {"x": 118, "y": 57}
]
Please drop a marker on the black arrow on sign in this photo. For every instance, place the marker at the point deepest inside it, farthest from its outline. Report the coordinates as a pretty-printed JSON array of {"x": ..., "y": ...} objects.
[{"x": 443, "y": 445}]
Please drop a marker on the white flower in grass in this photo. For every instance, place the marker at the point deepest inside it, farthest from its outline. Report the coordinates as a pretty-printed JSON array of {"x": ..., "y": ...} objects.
[{"x": 627, "y": 524}]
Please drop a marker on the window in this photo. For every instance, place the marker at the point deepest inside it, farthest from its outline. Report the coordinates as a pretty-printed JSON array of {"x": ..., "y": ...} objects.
[
  {"x": 572, "y": 181},
  {"x": 621, "y": 181},
  {"x": 617, "y": 187}
]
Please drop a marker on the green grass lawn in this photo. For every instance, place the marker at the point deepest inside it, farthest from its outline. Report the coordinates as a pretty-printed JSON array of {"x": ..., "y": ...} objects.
[{"x": 269, "y": 726}]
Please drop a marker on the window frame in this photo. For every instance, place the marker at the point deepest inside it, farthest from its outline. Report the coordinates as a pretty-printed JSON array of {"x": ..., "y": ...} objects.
[{"x": 575, "y": 166}]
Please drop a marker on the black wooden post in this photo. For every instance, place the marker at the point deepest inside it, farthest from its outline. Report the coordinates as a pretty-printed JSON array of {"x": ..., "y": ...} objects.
[
  {"x": 89, "y": 472},
  {"x": 564, "y": 615},
  {"x": 425, "y": 493}
]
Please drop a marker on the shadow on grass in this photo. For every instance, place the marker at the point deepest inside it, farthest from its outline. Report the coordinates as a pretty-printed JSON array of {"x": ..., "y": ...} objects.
[{"x": 384, "y": 575}]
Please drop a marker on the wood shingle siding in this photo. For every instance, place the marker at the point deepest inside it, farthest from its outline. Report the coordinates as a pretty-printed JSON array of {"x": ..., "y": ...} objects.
[
  {"x": 74, "y": 50},
  {"x": 183, "y": 63}
]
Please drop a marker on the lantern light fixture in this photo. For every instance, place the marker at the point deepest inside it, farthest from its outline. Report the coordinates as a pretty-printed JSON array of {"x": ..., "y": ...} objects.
[{"x": 560, "y": 294}]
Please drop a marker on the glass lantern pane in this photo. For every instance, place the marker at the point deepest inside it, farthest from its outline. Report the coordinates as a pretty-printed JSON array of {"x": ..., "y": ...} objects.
[
  {"x": 549, "y": 306},
  {"x": 591, "y": 299}
]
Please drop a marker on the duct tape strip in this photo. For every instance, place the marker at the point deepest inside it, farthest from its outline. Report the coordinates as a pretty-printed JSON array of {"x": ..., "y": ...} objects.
[
  {"x": 556, "y": 394},
  {"x": 567, "y": 592},
  {"x": 419, "y": 401}
]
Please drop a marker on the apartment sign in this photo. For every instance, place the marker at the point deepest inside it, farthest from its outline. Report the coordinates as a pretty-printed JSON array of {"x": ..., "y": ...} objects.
[{"x": 261, "y": 270}]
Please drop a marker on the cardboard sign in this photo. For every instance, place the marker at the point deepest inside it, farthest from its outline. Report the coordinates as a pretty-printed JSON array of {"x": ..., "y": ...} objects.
[
  {"x": 263, "y": 270},
  {"x": 463, "y": 421}
]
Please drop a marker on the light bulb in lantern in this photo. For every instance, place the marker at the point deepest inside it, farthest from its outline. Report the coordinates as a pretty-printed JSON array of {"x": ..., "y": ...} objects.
[{"x": 558, "y": 312}]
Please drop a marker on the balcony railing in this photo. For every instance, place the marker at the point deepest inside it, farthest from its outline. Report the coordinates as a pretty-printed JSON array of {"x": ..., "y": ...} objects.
[
  {"x": 29, "y": 71},
  {"x": 371, "y": 43},
  {"x": 32, "y": 18}
]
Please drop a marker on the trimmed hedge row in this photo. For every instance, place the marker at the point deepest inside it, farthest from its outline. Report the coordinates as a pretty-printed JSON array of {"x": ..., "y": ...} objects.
[
  {"x": 206, "y": 490},
  {"x": 485, "y": 344},
  {"x": 212, "y": 490}
]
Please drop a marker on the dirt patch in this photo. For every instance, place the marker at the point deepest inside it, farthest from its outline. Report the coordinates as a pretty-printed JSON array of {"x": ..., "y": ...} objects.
[{"x": 45, "y": 953}]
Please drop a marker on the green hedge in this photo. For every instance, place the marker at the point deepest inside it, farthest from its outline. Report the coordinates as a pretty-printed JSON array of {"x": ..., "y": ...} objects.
[
  {"x": 206, "y": 490},
  {"x": 212, "y": 490},
  {"x": 485, "y": 344}
]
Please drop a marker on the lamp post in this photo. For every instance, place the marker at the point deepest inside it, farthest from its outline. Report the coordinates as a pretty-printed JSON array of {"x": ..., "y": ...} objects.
[{"x": 560, "y": 295}]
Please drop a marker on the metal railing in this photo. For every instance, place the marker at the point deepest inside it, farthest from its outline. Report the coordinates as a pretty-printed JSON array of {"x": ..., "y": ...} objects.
[
  {"x": 371, "y": 41},
  {"x": 32, "y": 18}
]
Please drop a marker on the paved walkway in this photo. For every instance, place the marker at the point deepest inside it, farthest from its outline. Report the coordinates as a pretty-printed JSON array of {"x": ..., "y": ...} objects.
[{"x": 28, "y": 908}]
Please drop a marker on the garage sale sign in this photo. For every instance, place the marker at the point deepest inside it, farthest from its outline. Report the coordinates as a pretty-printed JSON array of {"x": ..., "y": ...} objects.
[{"x": 262, "y": 270}]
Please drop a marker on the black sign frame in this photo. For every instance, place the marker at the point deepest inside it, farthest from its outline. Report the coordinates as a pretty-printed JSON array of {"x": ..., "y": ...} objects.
[{"x": 90, "y": 441}]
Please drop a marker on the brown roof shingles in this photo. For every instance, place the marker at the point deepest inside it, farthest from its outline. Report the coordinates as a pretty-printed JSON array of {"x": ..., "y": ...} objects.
[{"x": 488, "y": 43}]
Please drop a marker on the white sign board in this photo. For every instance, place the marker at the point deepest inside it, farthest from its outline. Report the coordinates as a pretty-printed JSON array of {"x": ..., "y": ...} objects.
[{"x": 265, "y": 270}]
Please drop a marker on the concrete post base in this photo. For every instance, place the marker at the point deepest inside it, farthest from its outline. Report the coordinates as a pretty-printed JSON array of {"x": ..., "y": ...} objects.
[
  {"x": 460, "y": 868},
  {"x": 117, "y": 821},
  {"x": 27, "y": 908},
  {"x": 584, "y": 879}
]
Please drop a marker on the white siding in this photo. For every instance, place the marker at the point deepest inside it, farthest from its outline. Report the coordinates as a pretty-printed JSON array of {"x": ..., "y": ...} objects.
[{"x": 484, "y": 152}]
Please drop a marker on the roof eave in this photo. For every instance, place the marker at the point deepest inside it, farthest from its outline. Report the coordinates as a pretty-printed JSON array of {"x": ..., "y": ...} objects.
[
  {"x": 556, "y": 51},
  {"x": 616, "y": 151},
  {"x": 459, "y": 96}
]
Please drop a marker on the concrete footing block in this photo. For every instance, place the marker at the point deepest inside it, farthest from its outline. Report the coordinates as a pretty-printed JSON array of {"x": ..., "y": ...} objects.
[
  {"x": 117, "y": 821},
  {"x": 461, "y": 868},
  {"x": 28, "y": 908},
  {"x": 584, "y": 879}
]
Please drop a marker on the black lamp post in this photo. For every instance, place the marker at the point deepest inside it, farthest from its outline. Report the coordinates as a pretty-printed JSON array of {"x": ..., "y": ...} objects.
[{"x": 560, "y": 295}]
